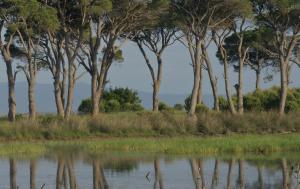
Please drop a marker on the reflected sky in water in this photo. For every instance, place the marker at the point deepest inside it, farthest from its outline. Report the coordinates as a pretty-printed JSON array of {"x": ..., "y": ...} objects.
[{"x": 82, "y": 171}]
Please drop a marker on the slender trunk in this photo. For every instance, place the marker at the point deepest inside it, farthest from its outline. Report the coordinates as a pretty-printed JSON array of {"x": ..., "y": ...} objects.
[
  {"x": 257, "y": 83},
  {"x": 95, "y": 95},
  {"x": 213, "y": 80},
  {"x": 155, "y": 99},
  {"x": 13, "y": 174},
  {"x": 71, "y": 86},
  {"x": 158, "y": 183},
  {"x": 197, "y": 71},
  {"x": 11, "y": 92},
  {"x": 228, "y": 88},
  {"x": 157, "y": 83},
  {"x": 96, "y": 175},
  {"x": 283, "y": 86},
  {"x": 215, "y": 178},
  {"x": 240, "y": 88},
  {"x": 31, "y": 98},
  {"x": 200, "y": 96},
  {"x": 58, "y": 90},
  {"x": 241, "y": 179},
  {"x": 32, "y": 174},
  {"x": 60, "y": 174}
]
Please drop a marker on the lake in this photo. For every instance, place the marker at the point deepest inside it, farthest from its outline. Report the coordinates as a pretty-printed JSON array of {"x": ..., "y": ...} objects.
[{"x": 77, "y": 170}]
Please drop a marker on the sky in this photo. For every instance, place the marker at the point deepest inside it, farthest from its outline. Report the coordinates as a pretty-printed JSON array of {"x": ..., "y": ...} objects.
[{"x": 177, "y": 73}]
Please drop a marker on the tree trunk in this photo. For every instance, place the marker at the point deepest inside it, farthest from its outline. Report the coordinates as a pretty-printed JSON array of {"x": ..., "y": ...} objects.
[
  {"x": 227, "y": 85},
  {"x": 58, "y": 90},
  {"x": 155, "y": 99},
  {"x": 213, "y": 81},
  {"x": 32, "y": 174},
  {"x": 31, "y": 98},
  {"x": 197, "y": 77},
  {"x": 257, "y": 83},
  {"x": 283, "y": 86},
  {"x": 11, "y": 92},
  {"x": 71, "y": 86},
  {"x": 240, "y": 88},
  {"x": 13, "y": 174},
  {"x": 95, "y": 95},
  {"x": 200, "y": 95}
]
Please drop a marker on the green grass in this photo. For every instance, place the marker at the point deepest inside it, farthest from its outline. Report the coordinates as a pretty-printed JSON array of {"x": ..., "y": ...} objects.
[{"x": 238, "y": 145}]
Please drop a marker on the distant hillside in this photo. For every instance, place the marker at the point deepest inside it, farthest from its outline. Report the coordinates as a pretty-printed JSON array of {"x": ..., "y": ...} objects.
[{"x": 46, "y": 104}]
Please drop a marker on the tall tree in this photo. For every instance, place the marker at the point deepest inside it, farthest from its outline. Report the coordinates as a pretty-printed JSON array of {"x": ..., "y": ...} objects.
[
  {"x": 6, "y": 44},
  {"x": 282, "y": 18},
  {"x": 30, "y": 20},
  {"x": 157, "y": 34},
  {"x": 107, "y": 21}
]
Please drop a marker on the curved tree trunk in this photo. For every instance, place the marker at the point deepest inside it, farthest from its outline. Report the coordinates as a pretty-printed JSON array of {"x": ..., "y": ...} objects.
[
  {"x": 71, "y": 86},
  {"x": 213, "y": 81},
  {"x": 228, "y": 90},
  {"x": 197, "y": 78}
]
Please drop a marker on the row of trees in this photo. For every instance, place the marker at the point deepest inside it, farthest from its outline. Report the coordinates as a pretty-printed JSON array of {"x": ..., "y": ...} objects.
[{"x": 64, "y": 35}]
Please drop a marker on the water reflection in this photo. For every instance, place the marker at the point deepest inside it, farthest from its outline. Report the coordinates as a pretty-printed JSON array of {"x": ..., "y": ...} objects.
[{"x": 109, "y": 172}]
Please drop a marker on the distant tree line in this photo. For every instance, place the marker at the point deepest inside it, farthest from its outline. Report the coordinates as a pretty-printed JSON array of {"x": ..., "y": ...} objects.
[{"x": 65, "y": 36}]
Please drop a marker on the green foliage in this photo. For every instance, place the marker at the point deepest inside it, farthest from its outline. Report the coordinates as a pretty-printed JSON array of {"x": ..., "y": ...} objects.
[
  {"x": 115, "y": 100},
  {"x": 178, "y": 107},
  {"x": 266, "y": 100},
  {"x": 163, "y": 107},
  {"x": 187, "y": 103},
  {"x": 201, "y": 108}
]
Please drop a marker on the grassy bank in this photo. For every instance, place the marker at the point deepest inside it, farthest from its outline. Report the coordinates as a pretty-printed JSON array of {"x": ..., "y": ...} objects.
[
  {"x": 237, "y": 144},
  {"x": 147, "y": 124}
]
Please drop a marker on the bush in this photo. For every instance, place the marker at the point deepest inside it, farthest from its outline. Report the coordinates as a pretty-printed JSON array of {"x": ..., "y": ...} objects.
[
  {"x": 178, "y": 107},
  {"x": 201, "y": 108},
  {"x": 163, "y": 107},
  {"x": 115, "y": 100},
  {"x": 266, "y": 100}
]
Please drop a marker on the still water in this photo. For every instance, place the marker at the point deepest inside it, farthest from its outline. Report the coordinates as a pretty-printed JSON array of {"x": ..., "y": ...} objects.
[{"x": 118, "y": 171}]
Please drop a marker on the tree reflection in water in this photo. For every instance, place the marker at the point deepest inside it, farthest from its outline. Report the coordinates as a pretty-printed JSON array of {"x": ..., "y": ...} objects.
[{"x": 221, "y": 173}]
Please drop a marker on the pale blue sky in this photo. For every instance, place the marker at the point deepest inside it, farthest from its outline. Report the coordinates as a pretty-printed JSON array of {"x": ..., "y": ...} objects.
[{"x": 177, "y": 78}]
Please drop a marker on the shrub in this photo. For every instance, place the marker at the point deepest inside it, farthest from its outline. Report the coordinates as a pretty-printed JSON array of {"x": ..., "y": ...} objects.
[
  {"x": 201, "y": 108},
  {"x": 163, "y": 107},
  {"x": 115, "y": 100},
  {"x": 266, "y": 100},
  {"x": 178, "y": 107}
]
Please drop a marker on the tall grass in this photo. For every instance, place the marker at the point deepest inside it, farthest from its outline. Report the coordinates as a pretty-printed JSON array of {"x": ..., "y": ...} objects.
[{"x": 147, "y": 124}]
